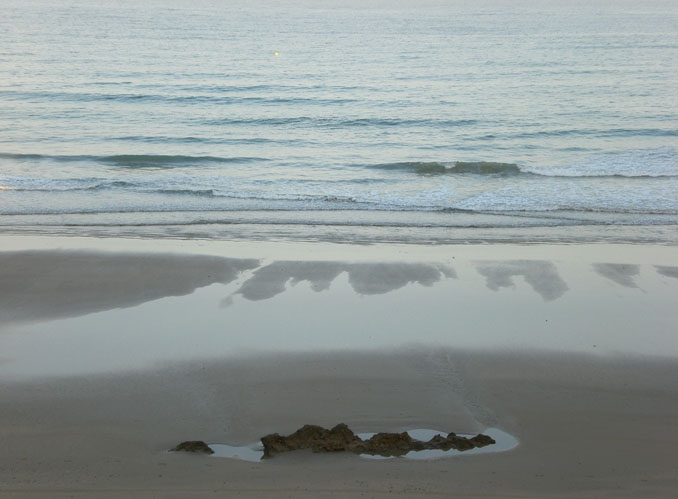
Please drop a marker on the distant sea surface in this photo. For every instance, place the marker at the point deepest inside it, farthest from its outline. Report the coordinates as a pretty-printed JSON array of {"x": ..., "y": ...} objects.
[{"x": 400, "y": 121}]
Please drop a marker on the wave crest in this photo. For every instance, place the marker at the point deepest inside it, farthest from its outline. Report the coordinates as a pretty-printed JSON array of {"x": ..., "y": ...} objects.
[
  {"x": 134, "y": 160},
  {"x": 460, "y": 167}
]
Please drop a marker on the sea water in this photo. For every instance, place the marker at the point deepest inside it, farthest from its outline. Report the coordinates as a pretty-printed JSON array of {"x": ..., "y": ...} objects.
[{"x": 374, "y": 120}]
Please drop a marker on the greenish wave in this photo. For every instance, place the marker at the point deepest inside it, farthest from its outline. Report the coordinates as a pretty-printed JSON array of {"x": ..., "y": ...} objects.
[{"x": 459, "y": 167}]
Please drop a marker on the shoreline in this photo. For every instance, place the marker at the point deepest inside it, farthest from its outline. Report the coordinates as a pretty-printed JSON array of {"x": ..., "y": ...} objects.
[
  {"x": 291, "y": 250},
  {"x": 372, "y": 232},
  {"x": 229, "y": 341}
]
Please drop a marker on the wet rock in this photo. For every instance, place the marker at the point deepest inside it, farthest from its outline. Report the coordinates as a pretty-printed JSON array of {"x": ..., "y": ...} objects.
[
  {"x": 391, "y": 444},
  {"x": 318, "y": 439},
  {"x": 339, "y": 438},
  {"x": 439, "y": 442},
  {"x": 342, "y": 439},
  {"x": 195, "y": 446},
  {"x": 460, "y": 443},
  {"x": 481, "y": 440}
]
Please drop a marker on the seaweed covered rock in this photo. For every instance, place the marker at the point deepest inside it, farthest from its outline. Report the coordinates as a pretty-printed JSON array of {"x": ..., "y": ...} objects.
[
  {"x": 481, "y": 440},
  {"x": 316, "y": 438},
  {"x": 194, "y": 446},
  {"x": 342, "y": 439},
  {"x": 391, "y": 444}
]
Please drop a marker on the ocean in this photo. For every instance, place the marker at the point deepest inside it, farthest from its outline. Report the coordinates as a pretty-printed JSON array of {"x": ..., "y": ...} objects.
[{"x": 341, "y": 120}]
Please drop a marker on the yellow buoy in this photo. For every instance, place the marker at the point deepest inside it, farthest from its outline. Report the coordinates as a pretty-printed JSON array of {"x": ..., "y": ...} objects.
[{"x": 276, "y": 54}]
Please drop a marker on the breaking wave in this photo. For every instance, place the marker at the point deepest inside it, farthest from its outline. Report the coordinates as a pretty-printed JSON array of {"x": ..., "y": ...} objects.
[
  {"x": 507, "y": 169},
  {"x": 133, "y": 160},
  {"x": 460, "y": 167}
]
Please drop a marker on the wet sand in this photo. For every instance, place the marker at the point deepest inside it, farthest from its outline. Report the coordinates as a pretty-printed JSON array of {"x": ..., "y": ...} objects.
[{"x": 592, "y": 420}]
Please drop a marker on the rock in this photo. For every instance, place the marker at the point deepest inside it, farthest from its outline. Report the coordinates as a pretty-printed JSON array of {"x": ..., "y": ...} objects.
[
  {"x": 195, "y": 446},
  {"x": 391, "y": 444},
  {"x": 339, "y": 438},
  {"x": 275, "y": 444},
  {"x": 460, "y": 443},
  {"x": 481, "y": 440},
  {"x": 342, "y": 439},
  {"x": 439, "y": 442},
  {"x": 318, "y": 439}
]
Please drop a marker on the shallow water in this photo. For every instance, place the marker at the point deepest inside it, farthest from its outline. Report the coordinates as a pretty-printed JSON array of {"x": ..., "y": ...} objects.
[
  {"x": 599, "y": 300},
  {"x": 179, "y": 120}
]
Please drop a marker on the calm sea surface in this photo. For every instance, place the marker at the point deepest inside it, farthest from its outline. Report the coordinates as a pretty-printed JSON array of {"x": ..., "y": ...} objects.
[{"x": 362, "y": 121}]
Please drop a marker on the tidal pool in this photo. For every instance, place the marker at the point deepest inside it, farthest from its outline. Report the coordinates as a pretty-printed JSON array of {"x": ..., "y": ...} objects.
[{"x": 504, "y": 441}]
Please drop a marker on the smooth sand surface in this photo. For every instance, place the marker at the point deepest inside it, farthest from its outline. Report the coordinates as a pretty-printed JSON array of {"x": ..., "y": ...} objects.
[
  {"x": 83, "y": 416},
  {"x": 587, "y": 427}
]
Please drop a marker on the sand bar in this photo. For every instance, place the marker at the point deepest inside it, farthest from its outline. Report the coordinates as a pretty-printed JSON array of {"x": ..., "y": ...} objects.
[{"x": 113, "y": 351}]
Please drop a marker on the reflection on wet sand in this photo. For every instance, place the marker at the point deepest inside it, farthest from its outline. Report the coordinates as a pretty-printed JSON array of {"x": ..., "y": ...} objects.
[
  {"x": 42, "y": 285},
  {"x": 364, "y": 278},
  {"x": 271, "y": 280},
  {"x": 667, "y": 271},
  {"x": 621, "y": 273},
  {"x": 541, "y": 275}
]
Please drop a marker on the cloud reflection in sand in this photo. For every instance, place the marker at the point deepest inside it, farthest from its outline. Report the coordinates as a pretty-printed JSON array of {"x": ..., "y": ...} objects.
[
  {"x": 45, "y": 285},
  {"x": 541, "y": 275},
  {"x": 667, "y": 271},
  {"x": 364, "y": 278},
  {"x": 621, "y": 273}
]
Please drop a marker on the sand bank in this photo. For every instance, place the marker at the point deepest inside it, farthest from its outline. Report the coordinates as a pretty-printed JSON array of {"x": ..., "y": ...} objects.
[{"x": 115, "y": 351}]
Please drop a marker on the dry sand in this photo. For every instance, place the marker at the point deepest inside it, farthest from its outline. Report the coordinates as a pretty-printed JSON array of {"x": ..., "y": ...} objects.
[{"x": 589, "y": 424}]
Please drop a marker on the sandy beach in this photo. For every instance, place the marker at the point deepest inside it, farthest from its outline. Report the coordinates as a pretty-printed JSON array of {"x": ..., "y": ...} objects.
[
  {"x": 113, "y": 351},
  {"x": 226, "y": 220}
]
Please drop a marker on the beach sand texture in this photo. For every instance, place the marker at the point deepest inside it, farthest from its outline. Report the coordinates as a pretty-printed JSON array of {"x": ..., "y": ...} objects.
[{"x": 111, "y": 356}]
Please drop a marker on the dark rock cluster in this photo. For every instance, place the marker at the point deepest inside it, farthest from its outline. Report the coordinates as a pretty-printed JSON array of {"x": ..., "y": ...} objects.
[
  {"x": 342, "y": 439},
  {"x": 195, "y": 446}
]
